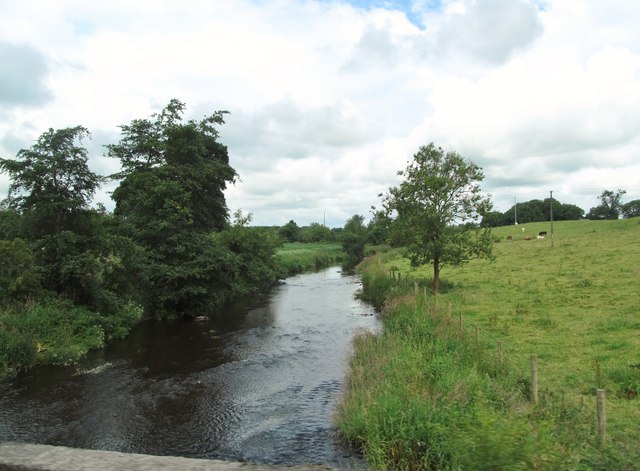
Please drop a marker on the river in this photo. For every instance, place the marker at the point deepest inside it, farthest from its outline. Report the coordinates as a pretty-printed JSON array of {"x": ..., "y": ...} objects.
[{"x": 253, "y": 383}]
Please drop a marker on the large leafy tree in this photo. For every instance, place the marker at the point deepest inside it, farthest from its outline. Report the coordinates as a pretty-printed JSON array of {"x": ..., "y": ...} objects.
[
  {"x": 439, "y": 195},
  {"x": 51, "y": 184},
  {"x": 170, "y": 198},
  {"x": 631, "y": 209},
  {"x": 610, "y": 206},
  {"x": 353, "y": 239}
]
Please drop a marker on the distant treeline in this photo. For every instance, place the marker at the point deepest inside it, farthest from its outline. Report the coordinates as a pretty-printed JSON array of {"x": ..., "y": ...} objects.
[
  {"x": 533, "y": 211},
  {"x": 610, "y": 207}
]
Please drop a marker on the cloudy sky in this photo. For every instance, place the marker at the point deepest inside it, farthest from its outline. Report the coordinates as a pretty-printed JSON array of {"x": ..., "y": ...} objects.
[{"x": 328, "y": 99}]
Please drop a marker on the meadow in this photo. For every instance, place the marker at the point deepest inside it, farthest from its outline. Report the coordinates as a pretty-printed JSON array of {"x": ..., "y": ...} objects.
[{"x": 428, "y": 394}]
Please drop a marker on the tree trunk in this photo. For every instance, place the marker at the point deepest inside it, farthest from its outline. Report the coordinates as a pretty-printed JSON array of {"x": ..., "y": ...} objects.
[{"x": 436, "y": 274}]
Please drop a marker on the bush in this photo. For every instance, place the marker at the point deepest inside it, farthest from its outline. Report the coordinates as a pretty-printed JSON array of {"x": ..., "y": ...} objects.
[
  {"x": 19, "y": 277},
  {"x": 60, "y": 331},
  {"x": 16, "y": 352}
]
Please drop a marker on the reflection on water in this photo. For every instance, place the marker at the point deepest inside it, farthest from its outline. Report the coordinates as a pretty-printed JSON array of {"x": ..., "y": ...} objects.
[{"x": 250, "y": 384}]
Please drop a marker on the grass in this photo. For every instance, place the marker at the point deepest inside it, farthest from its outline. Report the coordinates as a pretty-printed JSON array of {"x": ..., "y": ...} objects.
[
  {"x": 55, "y": 332},
  {"x": 298, "y": 257},
  {"x": 573, "y": 301}
]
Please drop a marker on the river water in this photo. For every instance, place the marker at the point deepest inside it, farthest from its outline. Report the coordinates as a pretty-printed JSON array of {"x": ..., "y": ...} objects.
[{"x": 258, "y": 384}]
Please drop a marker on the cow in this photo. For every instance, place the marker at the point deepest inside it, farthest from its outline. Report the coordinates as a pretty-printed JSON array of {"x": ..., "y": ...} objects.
[
  {"x": 542, "y": 234},
  {"x": 509, "y": 238}
]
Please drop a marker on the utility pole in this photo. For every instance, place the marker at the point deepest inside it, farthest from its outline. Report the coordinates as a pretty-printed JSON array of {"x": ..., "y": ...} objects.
[
  {"x": 515, "y": 211},
  {"x": 551, "y": 214}
]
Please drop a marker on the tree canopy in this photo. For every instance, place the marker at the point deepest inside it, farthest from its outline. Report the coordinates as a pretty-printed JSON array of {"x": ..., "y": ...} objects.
[
  {"x": 610, "y": 206},
  {"x": 51, "y": 184},
  {"x": 353, "y": 238},
  {"x": 440, "y": 193}
]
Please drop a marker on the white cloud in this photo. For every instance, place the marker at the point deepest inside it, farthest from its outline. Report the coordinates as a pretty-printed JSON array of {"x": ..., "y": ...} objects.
[{"x": 329, "y": 100}]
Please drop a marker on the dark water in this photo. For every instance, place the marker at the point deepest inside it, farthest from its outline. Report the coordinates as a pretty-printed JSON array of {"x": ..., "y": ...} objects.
[{"x": 255, "y": 384}]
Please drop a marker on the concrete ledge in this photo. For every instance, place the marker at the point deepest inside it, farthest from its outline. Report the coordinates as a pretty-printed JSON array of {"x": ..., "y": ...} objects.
[{"x": 25, "y": 456}]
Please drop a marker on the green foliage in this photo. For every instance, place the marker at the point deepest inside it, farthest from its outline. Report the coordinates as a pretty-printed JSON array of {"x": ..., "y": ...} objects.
[
  {"x": 353, "y": 238},
  {"x": 17, "y": 352},
  {"x": 631, "y": 209},
  {"x": 610, "y": 206},
  {"x": 378, "y": 228},
  {"x": 316, "y": 232},
  {"x": 298, "y": 257},
  {"x": 290, "y": 232},
  {"x": 19, "y": 277},
  {"x": 439, "y": 189},
  {"x": 533, "y": 211},
  {"x": 48, "y": 332},
  {"x": 10, "y": 222},
  {"x": 254, "y": 251},
  {"x": 169, "y": 201},
  {"x": 51, "y": 184}
]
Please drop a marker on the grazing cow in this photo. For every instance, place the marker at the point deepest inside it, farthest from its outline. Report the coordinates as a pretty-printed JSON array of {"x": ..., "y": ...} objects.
[
  {"x": 527, "y": 238},
  {"x": 509, "y": 238},
  {"x": 542, "y": 234}
]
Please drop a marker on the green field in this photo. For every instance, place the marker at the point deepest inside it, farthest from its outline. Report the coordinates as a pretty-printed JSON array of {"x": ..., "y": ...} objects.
[{"x": 573, "y": 301}]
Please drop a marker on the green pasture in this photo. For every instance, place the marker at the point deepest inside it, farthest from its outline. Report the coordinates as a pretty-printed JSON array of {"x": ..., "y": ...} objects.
[{"x": 572, "y": 300}]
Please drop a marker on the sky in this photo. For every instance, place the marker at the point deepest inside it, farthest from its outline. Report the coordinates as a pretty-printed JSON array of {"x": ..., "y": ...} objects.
[{"x": 329, "y": 99}]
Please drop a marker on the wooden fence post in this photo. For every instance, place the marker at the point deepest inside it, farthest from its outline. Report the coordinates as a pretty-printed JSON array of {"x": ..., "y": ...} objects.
[
  {"x": 415, "y": 287},
  {"x": 534, "y": 379},
  {"x": 602, "y": 416}
]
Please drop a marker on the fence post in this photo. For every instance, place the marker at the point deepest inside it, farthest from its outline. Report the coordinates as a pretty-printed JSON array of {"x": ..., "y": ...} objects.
[
  {"x": 534, "y": 379},
  {"x": 415, "y": 287},
  {"x": 461, "y": 323},
  {"x": 602, "y": 416}
]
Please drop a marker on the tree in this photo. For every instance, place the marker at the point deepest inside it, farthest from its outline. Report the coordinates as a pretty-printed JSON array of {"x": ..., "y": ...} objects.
[
  {"x": 290, "y": 232},
  {"x": 170, "y": 201},
  {"x": 631, "y": 209},
  {"x": 316, "y": 232},
  {"x": 610, "y": 205},
  {"x": 19, "y": 277},
  {"x": 492, "y": 219},
  {"x": 51, "y": 184},
  {"x": 353, "y": 239},
  {"x": 568, "y": 212},
  {"x": 378, "y": 228},
  {"x": 440, "y": 191}
]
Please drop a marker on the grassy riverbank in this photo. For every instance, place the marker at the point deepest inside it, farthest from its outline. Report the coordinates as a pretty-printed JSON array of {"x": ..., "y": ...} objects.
[
  {"x": 426, "y": 394},
  {"x": 52, "y": 331},
  {"x": 298, "y": 257}
]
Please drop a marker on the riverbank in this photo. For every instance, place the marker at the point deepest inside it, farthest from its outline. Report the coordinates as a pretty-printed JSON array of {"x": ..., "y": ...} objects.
[
  {"x": 54, "y": 331},
  {"x": 448, "y": 383},
  {"x": 299, "y": 257}
]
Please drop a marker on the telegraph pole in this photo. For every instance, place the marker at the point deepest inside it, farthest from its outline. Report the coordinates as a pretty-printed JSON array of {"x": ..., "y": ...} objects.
[
  {"x": 515, "y": 211},
  {"x": 551, "y": 214}
]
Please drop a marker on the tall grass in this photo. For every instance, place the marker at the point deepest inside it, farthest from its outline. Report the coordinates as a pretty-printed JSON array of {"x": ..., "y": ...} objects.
[
  {"x": 55, "y": 332},
  {"x": 425, "y": 395},
  {"x": 300, "y": 257}
]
